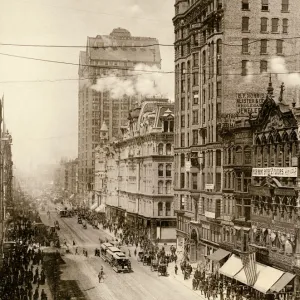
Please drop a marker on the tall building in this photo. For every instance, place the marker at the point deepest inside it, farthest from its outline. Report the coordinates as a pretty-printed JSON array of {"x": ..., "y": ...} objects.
[
  {"x": 222, "y": 52},
  {"x": 135, "y": 172},
  {"x": 106, "y": 55}
]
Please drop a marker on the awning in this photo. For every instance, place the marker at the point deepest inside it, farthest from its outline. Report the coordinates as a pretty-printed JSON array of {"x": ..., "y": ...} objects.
[
  {"x": 93, "y": 206},
  {"x": 218, "y": 255},
  {"x": 232, "y": 266},
  {"x": 241, "y": 276},
  {"x": 266, "y": 278},
  {"x": 72, "y": 196},
  {"x": 100, "y": 208},
  {"x": 284, "y": 280}
]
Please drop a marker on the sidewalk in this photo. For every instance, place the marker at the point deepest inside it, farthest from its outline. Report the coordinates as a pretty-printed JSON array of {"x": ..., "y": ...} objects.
[{"x": 171, "y": 268}]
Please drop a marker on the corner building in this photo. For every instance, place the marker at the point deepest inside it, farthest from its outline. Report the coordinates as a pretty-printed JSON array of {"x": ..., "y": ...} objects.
[
  {"x": 222, "y": 52},
  {"x": 106, "y": 55},
  {"x": 135, "y": 173}
]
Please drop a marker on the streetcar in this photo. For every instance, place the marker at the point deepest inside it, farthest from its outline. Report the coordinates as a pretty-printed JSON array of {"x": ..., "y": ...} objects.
[
  {"x": 63, "y": 213},
  {"x": 115, "y": 257},
  {"x": 120, "y": 263}
]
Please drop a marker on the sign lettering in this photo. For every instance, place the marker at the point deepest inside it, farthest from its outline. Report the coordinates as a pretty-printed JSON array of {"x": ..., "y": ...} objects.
[
  {"x": 275, "y": 172},
  {"x": 249, "y": 103}
]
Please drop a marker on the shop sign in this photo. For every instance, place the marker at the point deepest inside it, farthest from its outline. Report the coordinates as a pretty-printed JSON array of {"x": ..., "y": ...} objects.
[
  {"x": 249, "y": 103},
  {"x": 209, "y": 214},
  {"x": 209, "y": 186},
  {"x": 275, "y": 172},
  {"x": 259, "y": 191},
  {"x": 187, "y": 166}
]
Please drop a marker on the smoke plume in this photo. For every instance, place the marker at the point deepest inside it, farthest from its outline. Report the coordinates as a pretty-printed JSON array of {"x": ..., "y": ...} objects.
[
  {"x": 278, "y": 67},
  {"x": 144, "y": 81}
]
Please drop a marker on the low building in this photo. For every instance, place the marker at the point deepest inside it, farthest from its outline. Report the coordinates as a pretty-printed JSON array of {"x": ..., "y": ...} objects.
[{"x": 135, "y": 172}]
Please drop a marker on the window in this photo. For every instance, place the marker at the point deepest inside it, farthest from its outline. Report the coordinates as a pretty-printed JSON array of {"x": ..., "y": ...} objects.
[
  {"x": 279, "y": 46},
  {"x": 160, "y": 187},
  {"x": 160, "y": 149},
  {"x": 195, "y": 78},
  {"x": 245, "y": 46},
  {"x": 263, "y": 46},
  {"x": 244, "y": 67},
  {"x": 218, "y": 158},
  {"x": 247, "y": 155},
  {"x": 265, "y": 5},
  {"x": 168, "y": 204},
  {"x": 263, "y": 66},
  {"x": 160, "y": 208},
  {"x": 275, "y": 23},
  {"x": 285, "y": 5},
  {"x": 218, "y": 182},
  {"x": 285, "y": 25},
  {"x": 182, "y": 202},
  {"x": 195, "y": 137},
  {"x": 238, "y": 156},
  {"x": 169, "y": 149},
  {"x": 160, "y": 170},
  {"x": 195, "y": 59},
  {"x": 182, "y": 121},
  {"x": 194, "y": 181},
  {"x": 168, "y": 170},
  {"x": 219, "y": 89},
  {"x": 245, "y": 4},
  {"x": 195, "y": 98},
  {"x": 195, "y": 117},
  {"x": 182, "y": 180},
  {"x": 245, "y": 24},
  {"x": 263, "y": 24},
  {"x": 182, "y": 139},
  {"x": 182, "y": 160}
]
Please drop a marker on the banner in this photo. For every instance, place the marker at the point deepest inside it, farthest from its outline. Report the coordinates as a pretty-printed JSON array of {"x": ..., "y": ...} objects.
[{"x": 275, "y": 172}]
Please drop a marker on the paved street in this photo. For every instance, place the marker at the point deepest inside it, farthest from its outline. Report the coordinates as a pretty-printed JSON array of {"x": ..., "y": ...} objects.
[{"x": 141, "y": 284}]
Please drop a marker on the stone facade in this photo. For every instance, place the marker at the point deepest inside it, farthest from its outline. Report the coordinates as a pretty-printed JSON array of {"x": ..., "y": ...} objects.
[
  {"x": 106, "y": 55},
  {"x": 222, "y": 52},
  {"x": 135, "y": 173}
]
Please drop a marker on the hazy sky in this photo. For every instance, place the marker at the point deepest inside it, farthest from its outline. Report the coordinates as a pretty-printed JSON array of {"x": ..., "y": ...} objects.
[{"x": 42, "y": 116}]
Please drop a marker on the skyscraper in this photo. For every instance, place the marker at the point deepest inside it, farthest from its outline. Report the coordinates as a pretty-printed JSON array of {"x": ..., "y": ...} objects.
[
  {"x": 222, "y": 63},
  {"x": 106, "y": 56}
]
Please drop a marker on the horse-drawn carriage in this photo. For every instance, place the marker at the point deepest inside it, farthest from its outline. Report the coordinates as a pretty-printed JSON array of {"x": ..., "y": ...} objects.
[
  {"x": 162, "y": 269},
  {"x": 154, "y": 265},
  {"x": 140, "y": 256},
  {"x": 147, "y": 260}
]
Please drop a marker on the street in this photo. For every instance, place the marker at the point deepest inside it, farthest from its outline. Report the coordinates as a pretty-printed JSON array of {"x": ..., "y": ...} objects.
[{"x": 141, "y": 284}]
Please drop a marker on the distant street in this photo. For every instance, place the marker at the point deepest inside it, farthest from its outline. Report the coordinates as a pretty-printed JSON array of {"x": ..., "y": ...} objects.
[{"x": 141, "y": 284}]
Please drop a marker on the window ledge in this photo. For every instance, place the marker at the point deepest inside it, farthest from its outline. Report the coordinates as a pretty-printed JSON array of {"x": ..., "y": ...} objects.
[
  {"x": 275, "y": 32},
  {"x": 245, "y": 9},
  {"x": 245, "y": 31},
  {"x": 285, "y": 11},
  {"x": 265, "y": 10},
  {"x": 246, "y": 53},
  {"x": 264, "y": 32}
]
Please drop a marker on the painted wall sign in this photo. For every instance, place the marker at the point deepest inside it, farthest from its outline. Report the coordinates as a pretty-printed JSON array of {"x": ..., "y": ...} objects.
[
  {"x": 249, "y": 103},
  {"x": 275, "y": 172}
]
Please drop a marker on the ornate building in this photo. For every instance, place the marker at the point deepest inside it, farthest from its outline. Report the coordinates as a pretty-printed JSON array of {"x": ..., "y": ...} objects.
[
  {"x": 219, "y": 45},
  {"x": 135, "y": 173},
  {"x": 117, "y": 53}
]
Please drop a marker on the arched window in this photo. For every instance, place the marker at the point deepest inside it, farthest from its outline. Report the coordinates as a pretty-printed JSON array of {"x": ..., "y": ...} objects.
[
  {"x": 238, "y": 156},
  {"x": 160, "y": 208},
  {"x": 229, "y": 156},
  {"x": 169, "y": 149},
  {"x": 168, "y": 209},
  {"x": 160, "y": 170},
  {"x": 169, "y": 187},
  {"x": 218, "y": 158},
  {"x": 160, "y": 149},
  {"x": 168, "y": 170},
  {"x": 182, "y": 160},
  {"x": 247, "y": 155},
  {"x": 160, "y": 187}
]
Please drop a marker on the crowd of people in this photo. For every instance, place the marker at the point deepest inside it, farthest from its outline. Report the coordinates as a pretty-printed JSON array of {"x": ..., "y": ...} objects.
[{"x": 22, "y": 275}]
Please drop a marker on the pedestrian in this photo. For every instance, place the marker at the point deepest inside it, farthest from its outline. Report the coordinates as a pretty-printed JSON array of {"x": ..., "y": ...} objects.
[
  {"x": 176, "y": 269},
  {"x": 74, "y": 243},
  {"x": 134, "y": 252},
  {"x": 76, "y": 251}
]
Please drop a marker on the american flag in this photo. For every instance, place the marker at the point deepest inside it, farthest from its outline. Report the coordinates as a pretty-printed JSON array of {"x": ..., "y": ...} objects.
[{"x": 249, "y": 263}]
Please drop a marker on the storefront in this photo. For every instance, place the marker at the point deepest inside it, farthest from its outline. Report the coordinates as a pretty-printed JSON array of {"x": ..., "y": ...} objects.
[{"x": 269, "y": 283}]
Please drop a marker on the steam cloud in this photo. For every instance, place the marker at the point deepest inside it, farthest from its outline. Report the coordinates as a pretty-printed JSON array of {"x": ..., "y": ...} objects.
[
  {"x": 144, "y": 80},
  {"x": 278, "y": 66}
]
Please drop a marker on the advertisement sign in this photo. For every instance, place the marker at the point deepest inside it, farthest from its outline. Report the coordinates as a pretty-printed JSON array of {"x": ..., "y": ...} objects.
[
  {"x": 187, "y": 166},
  {"x": 209, "y": 186},
  {"x": 275, "y": 172},
  {"x": 249, "y": 103}
]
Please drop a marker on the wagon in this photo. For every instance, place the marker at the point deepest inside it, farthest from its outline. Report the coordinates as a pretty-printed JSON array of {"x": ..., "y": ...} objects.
[
  {"x": 147, "y": 260},
  {"x": 154, "y": 265},
  {"x": 140, "y": 255},
  {"x": 162, "y": 270}
]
